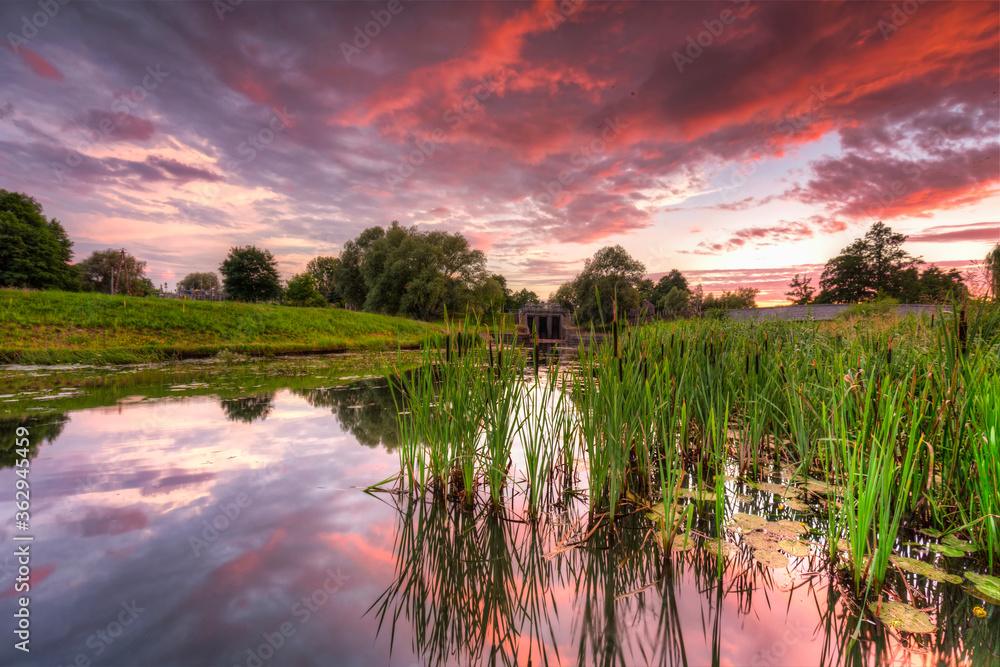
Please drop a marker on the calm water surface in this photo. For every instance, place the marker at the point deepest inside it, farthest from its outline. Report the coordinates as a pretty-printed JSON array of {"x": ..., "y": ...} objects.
[{"x": 203, "y": 531}]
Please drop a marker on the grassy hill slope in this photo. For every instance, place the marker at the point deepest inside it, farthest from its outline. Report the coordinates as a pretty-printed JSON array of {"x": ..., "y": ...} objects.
[{"x": 60, "y": 327}]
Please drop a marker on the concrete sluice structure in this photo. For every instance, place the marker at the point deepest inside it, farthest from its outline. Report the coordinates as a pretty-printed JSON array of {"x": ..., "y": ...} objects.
[{"x": 553, "y": 324}]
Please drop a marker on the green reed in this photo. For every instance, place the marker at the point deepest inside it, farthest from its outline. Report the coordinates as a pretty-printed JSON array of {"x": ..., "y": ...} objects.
[
  {"x": 875, "y": 487},
  {"x": 901, "y": 413},
  {"x": 499, "y": 399},
  {"x": 544, "y": 408}
]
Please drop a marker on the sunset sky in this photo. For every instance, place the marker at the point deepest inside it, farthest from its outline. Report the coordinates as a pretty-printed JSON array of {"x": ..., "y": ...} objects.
[{"x": 740, "y": 142}]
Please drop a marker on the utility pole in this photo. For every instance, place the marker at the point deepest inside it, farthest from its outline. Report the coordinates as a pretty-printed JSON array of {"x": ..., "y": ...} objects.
[{"x": 125, "y": 265}]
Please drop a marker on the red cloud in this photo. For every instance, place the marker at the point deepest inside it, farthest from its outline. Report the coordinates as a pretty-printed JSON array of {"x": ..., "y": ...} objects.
[
  {"x": 980, "y": 231},
  {"x": 875, "y": 186},
  {"x": 38, "y": 64},
  {"x": 785, "y": 232}
]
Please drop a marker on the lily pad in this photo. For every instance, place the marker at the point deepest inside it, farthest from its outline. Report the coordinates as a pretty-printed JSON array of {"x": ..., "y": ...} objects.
[
  {"x": 682, "y": 543},
  {"x": 796, "y": 505},
  {"x": 985, "y": 585},
  {"x": 902, "y": 617},
  {"x": 778, "y": 529},
  {"x": 946, "y": 550},
  {"x": 657, "y": 512},
  {"x": 816, "y": 486},
  {"x": 930, "y": 532},
  {"x": 787, "y": 528},
  {"x": 749, "y": 521},
  {"x": 926, "y": 569},
  {"x": 794, "y": 548},
  {"x": 780, "y": 489},
  {"x": 770, "y": 558},
  {"x": 759, "y": 540},
  {"x": 728, "y": 549},
  {"x": 843, "y": 545},
  {"x": 955, "y": 543}
]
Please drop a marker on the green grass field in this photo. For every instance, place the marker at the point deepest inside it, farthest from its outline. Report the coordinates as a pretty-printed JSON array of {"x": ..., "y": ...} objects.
[{"x": 50, "y": 327}]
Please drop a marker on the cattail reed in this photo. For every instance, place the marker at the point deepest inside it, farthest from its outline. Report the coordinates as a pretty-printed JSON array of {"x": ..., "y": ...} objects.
[{"x": 899, "y": 429}]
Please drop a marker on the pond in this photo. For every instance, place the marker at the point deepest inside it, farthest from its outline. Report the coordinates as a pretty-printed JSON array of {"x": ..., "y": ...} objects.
[{"x": 196, "y": 515}]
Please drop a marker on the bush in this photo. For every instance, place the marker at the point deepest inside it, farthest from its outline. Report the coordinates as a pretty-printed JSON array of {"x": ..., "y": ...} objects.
[
  {"x": 882, "y": 305},
  {"x": 302, "y": 292}
]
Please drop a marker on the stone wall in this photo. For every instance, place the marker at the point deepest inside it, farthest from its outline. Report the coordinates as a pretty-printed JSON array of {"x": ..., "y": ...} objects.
[{"x": 826, "y": 311}]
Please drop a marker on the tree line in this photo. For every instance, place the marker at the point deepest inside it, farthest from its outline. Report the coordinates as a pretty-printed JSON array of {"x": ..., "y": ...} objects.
[
  {"x": 613, "y": 284},
  {"x": 875, "y": 267},
  {"x": 405, "y": 271},
  {"x": 394, "y": 270}
]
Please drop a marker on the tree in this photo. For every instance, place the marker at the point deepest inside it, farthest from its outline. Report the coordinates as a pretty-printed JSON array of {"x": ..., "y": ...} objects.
[
  {"x": 519, "y": 300},
  {"x": 938, "y": 286},
  {"x": 403, "y": 271},
  {"x": 301, "y": 291},
  {"x": 800, "y": 291},
  {"x": 115, "y": 271},
  {"x": 676, "y": 301},
  {"x": 870, "y": 265},
  {"x": 668, "y": 282},
  {"x": 488, "y": 296},
  {"x": 564, "y": 296},
  {"x": 206, "y": 280},
  {"x": 992, "y": 267},
  {"x": 34, "y": 252},
  {"x": 323, "y": 271},
  {"x": 610, "y": 278},
  {"x": 646, "y": 289},
  {"x": 741, "y": 297},
  {"x": 885, "y": 256},
  {"x": 250, "y": 274}
]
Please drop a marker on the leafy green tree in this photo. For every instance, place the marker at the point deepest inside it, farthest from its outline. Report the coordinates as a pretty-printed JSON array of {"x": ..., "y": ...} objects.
[
  {"x": 676, "y": 301},
  {"x": 668, "y": 282},
  {"x": 323, "y": 270},
  {"x": 34, "y": 252},
  {"x": 403, "y": 271},
  {"x": 114, "y": 271},
  {"x": 992, "y": 267},
  {"x": 800, "y": 291},
  {"x": 346, "y": 269},
  {"x": 939, "y": 286},
  {"x": 488, "y": 296},
  {"x": 610, "y": 277},
  {"x": 647, "y": 290},
  {"x": 869, "y": 265},
  {"x": 741, "y": 297},
  {"x": 301, "y": 291},
  {"x": 250, "y": 274},
  {"x": 521, "y": 299},
  {"x": 564, "y": 296},
  {"x": 200, "y": 280}
]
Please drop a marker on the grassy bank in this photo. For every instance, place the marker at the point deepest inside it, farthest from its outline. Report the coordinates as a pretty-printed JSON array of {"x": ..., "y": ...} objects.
[{"x": 62, "y": 327}]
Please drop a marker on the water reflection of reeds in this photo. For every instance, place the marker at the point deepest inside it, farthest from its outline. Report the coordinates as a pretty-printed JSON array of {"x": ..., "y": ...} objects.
[{"x": 474, "y": 588}]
